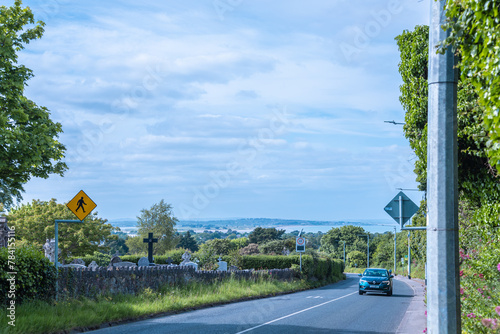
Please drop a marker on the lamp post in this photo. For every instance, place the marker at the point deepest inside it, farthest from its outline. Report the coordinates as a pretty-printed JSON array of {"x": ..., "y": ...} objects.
[{"x": 394, "y": 251}]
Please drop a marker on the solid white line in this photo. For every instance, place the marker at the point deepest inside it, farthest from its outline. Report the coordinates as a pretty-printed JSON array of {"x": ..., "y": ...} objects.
[{"x": 291, "y": 315}]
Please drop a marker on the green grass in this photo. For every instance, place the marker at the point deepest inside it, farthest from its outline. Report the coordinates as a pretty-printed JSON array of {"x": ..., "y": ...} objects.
[{"x": 42, "y": 317}]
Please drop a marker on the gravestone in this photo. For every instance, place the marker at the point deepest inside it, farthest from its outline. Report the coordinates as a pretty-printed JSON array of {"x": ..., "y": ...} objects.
[
  {"x": 74, "y": 265},
  {"x": 124, "y": 264},
  {"x": 169, "y": 260},
  {"x": 143, "y": 262},
  {"x": 186, "y": 261},
  {"x": 78, "y": 261},
  {"x": 49, "y": 248},
  {"x": 150, "y": 240},
  {"x": 222, "y": 265},
  {"x": 115, "y": 259},
  {"x": 93, "y": 265}
]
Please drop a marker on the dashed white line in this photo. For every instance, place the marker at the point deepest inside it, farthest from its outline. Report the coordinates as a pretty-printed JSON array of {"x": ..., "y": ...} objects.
[{"x": 295, "y": 313}]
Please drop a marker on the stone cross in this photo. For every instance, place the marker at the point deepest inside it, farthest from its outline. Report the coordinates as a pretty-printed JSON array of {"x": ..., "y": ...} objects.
[
  {"x": 169, "y": 261},
  {"x": 150, "y": 240}
]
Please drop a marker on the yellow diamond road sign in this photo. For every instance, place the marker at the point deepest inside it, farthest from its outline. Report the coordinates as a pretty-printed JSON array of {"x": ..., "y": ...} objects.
[{"x": 81, "y": 205}]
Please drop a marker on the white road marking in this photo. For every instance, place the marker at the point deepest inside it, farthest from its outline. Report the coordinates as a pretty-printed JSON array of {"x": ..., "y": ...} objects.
[{"x": 295, "y": 313}]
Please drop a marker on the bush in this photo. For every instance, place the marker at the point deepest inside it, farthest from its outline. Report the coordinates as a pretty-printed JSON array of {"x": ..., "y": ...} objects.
[
  {"x": 274, "y": 247},
  {"x": 35, "y": 278},
  {"x": 251, "y": 249}
]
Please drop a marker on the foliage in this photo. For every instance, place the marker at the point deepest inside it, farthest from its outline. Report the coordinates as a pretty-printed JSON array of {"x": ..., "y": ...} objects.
[
  {"x": 251, "y": 249},
  {"x": 274, "y": 247},
  {"x": 187, "y": 241},
  {"x": 34, "y": 279},
  {"x": 480, "y": 266},
  {"x": 474, "y": 32},
  {"x": 332, "y": 242},
  {"x": 476, "y": 176},
  {"x": 28, "y": 137},
  {"x": 239, "y": 243},
  {"x": 262, "y": 235},
  {"x": 116, "y": 245},
  {"x": 217, "y": 247},
  {"x": 34, "y": 223},
  {"x": 160, "y": 221},
  {"x": 356, "y": 259}
]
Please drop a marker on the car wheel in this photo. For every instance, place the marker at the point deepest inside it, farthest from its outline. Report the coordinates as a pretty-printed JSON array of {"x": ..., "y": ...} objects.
[
  {"x": 389, "y": 293},
  {"x": 361, "y": 292}
]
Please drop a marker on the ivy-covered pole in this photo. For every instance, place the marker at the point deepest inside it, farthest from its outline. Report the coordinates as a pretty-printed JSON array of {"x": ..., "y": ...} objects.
[{"x": 443, "y": 297}]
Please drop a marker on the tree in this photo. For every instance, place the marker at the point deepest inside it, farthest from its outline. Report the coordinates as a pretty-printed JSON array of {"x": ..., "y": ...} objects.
[
  {"x": 160, "y": 221},
  {"x": 34, "y": 223},
  {"x": 116, "y": 245},
  {"x": 28, "y": 137},
  {"x": 187, "y": 242},
  {"x": 217, "y": 247},
  {"x": 356, "y": 259},
  {"x": 474, "y": 33},
  {"x": 262, "y": 235},
  {"x": 331, "y": 242},
  {"x": 476, "y": 175}
]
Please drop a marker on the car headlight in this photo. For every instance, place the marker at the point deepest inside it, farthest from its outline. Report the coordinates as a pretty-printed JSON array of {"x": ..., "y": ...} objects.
[
  {"x": 362, "y": 281},
  {"x": 387, "y": 282}
]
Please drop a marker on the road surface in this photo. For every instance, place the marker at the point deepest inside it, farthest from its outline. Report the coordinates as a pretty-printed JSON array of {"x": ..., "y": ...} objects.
[{"x": 336, "y": 308}]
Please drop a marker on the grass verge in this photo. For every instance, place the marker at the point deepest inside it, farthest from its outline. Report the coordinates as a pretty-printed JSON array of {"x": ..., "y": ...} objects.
[{"x": 84, "y": 314}]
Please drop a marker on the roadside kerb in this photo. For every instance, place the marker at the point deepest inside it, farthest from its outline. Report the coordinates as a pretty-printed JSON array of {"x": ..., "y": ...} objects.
[{"x": 415, "y": 319}]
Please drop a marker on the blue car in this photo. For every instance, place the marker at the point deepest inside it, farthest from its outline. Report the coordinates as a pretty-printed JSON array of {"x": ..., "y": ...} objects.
[{"x": 376, "y": 280}]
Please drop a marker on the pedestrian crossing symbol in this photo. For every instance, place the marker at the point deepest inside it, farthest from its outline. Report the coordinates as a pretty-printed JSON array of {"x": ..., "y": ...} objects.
[{"x": 81, "y": 205}]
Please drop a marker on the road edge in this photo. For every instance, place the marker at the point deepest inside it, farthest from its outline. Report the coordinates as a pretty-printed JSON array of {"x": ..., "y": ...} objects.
[{"x": 415, "y": 319}]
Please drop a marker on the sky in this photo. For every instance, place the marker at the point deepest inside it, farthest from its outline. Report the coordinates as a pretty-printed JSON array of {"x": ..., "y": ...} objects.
[{"x": 226, "y": 108}]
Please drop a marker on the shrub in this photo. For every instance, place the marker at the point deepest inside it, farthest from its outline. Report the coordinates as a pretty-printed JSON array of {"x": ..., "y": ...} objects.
[
  {"x": 34, "y": 279},
  {"x": 251, "y": 249},
  {"x": 274, "y": 247}
]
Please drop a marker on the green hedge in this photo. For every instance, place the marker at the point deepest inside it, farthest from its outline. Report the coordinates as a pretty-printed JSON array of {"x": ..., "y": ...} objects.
[
  {"x": 34, "y": 279},
  {"x": 313, "y": 266}
]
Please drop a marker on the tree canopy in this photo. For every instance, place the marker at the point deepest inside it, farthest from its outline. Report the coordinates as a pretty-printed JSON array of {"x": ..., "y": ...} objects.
[
  {"x": 160, "y": 221},
  {"x": 28, "y": 137},
  {"x": 262, "y": 235},
  {"x": 475, "y": 35},
  {"x": 34, "y": 223}
]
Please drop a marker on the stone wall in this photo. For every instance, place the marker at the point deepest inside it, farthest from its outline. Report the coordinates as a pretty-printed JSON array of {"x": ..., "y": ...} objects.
[{"x": 73, "y": 283}]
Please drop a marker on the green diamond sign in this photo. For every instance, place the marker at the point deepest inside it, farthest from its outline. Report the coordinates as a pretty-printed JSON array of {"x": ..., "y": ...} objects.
[{"x": 408, "y": 208}]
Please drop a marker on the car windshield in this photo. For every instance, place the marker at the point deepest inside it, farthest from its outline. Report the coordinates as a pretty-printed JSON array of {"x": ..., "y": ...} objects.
[{"x": 376, "y": 273}]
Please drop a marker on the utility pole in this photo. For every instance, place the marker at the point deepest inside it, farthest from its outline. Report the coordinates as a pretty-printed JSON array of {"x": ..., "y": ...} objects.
[
  {"x": 409, "y": 256},
  {"x": 443, "y": 295},
  {"x": 394, "y": 251}
]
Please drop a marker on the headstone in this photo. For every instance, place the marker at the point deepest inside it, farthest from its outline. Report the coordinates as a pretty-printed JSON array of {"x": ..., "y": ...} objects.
[
  {"x": 143, "y": 262},
  {"x": 74, "y": 265},
  {"x": 49, "y": 248},
  {"x": 186, "y": 257},
  {"x": 93, "y": 265},
  {"x": 115, "y": 259},
  {"x": 169, "y": 260},
  {"x": 150, "y": 240},
  {"x": 124, "y": 264},
  {"x": 222, "y": 265},
  {"x": 186, "y": 261},
  {"x": 4, "y": 233},
  {"x": 78, "y": 261}
]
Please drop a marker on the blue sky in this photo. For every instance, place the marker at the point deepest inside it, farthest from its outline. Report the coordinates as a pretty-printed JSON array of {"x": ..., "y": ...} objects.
[{"x": 226, "y": 108}]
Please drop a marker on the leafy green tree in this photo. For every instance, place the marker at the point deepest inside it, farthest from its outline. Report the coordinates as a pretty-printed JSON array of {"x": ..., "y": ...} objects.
[
  {"x": 116, "y": 245},
  {"x": 160, "y": 221},
  {"x": 28, "y": 137},
  {"x": 136, "y": 245},
  {"x": 262, "y": 235},
  {"x": 217, "y": 247},
  {"x": 356, "y": 259},
  {"x": 34, "y": 223},
  {"x": 188, "y": 242},
  {"x": 474, "y": 33},
  {"x": 331, "y": 242},
  {"x": 274, "y": 247},
  {"x": 239, "y": 243},
  {"x": 477, "y": 179}
]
